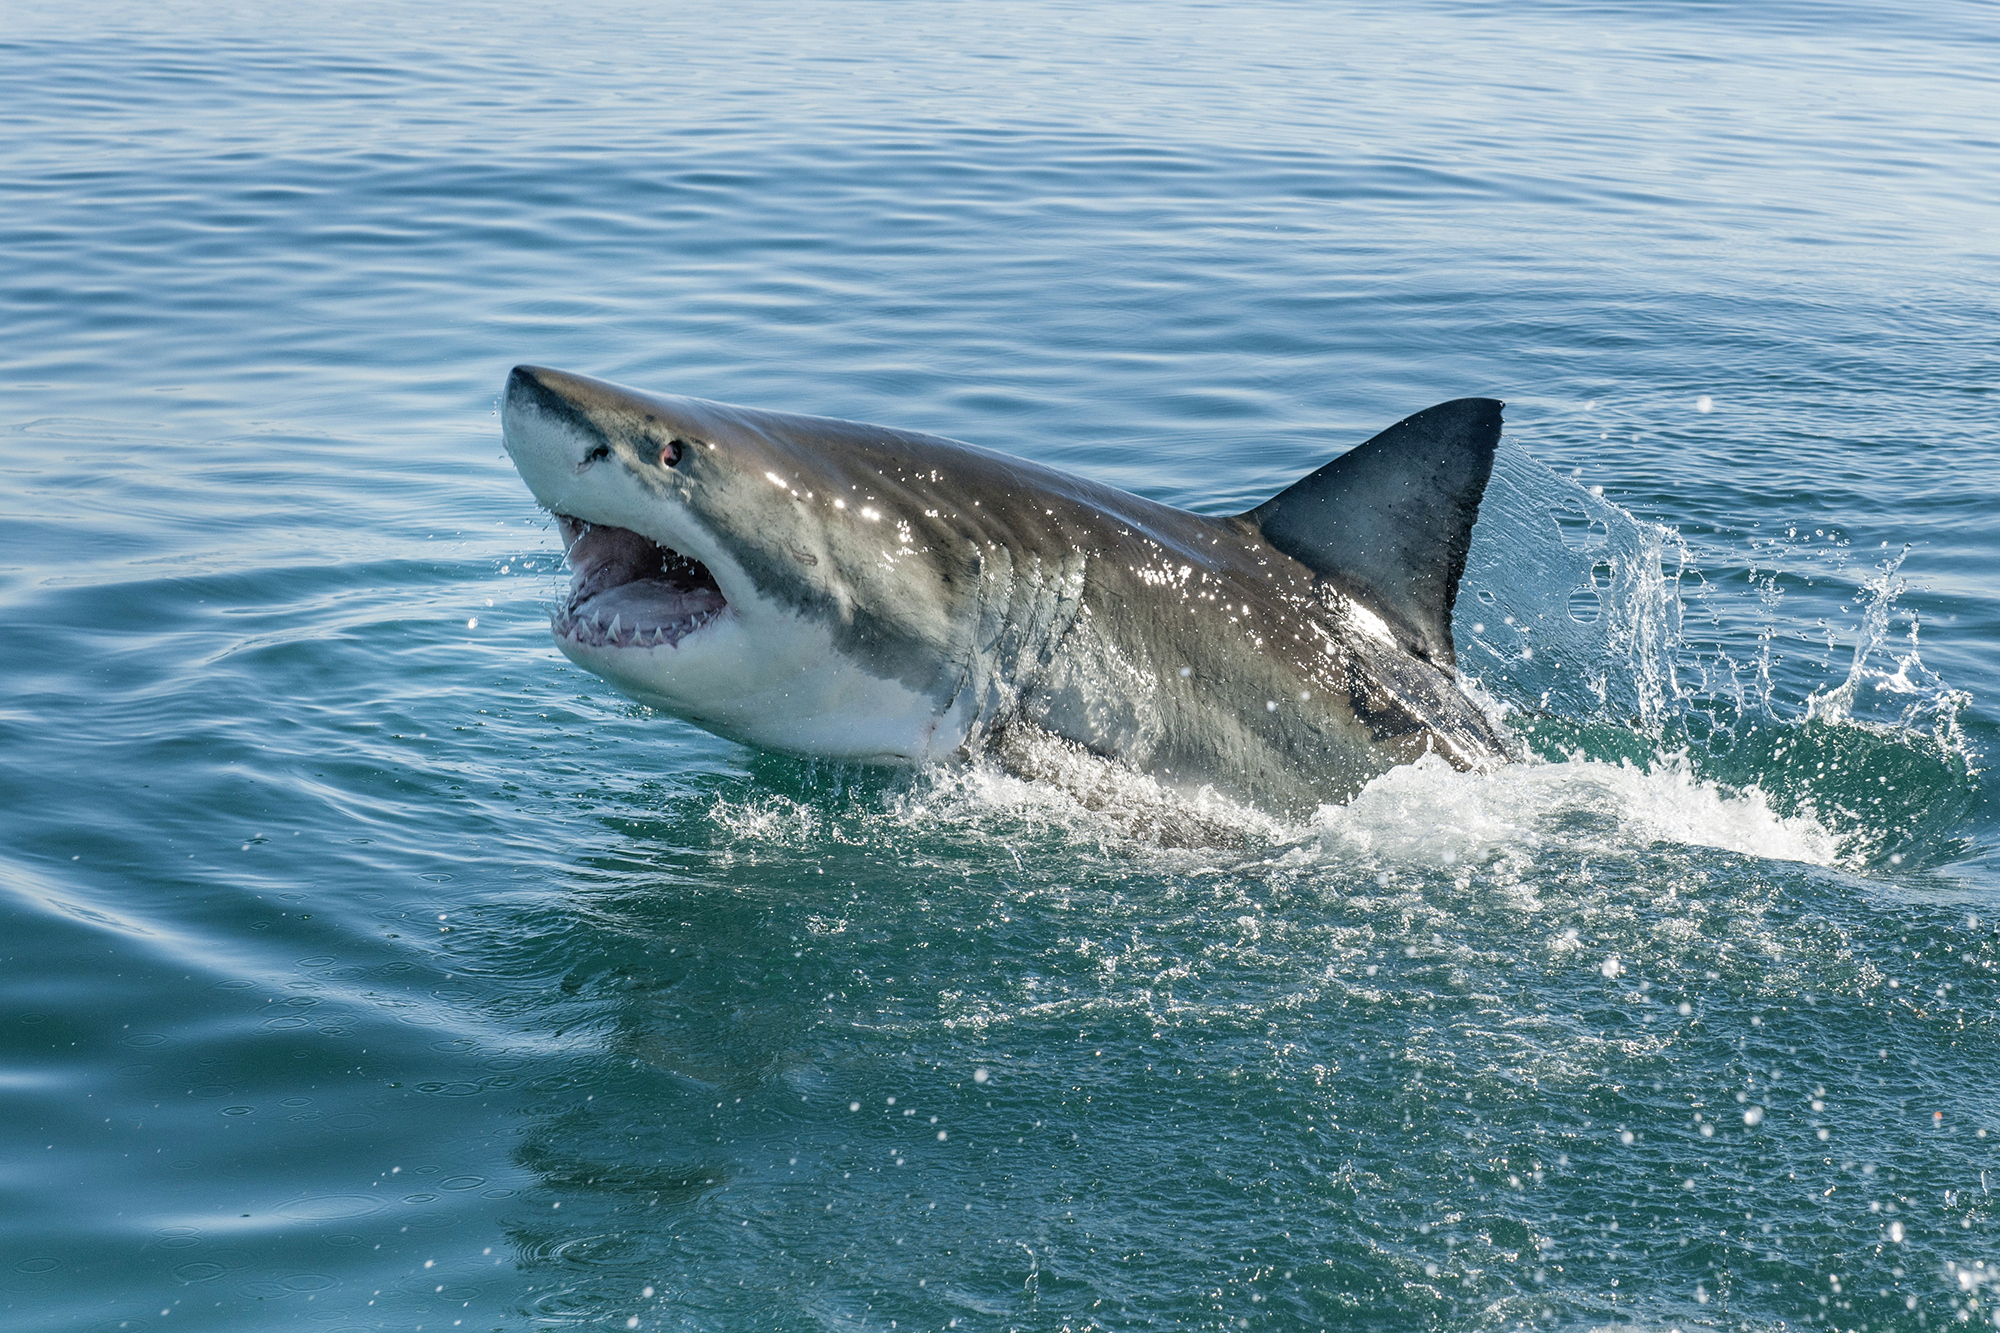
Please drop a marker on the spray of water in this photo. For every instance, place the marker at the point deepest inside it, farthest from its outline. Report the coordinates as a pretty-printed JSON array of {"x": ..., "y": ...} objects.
[{"x": 1599, "y": 637}]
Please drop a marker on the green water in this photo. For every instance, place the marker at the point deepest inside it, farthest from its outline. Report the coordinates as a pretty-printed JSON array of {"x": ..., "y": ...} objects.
[{"x": 367, "y": 966}]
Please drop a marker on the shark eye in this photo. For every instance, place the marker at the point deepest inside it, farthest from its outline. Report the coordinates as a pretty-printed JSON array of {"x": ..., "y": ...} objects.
[{"x": 670, "y": 453}]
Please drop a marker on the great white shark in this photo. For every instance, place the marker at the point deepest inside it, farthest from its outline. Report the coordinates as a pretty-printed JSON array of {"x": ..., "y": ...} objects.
[{"x": 829, "y": 588}]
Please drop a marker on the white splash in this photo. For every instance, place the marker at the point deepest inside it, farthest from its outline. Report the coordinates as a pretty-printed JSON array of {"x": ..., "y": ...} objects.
[
  {"x": 1430, "y": 813},
  {"x": 1908, "y": 696}
]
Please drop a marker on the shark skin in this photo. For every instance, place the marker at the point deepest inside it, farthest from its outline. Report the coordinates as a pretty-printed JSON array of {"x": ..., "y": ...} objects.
[{"x": 829, "y": 588}]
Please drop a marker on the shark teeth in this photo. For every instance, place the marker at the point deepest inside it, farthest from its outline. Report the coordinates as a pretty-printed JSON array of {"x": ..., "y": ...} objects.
[{"x": 593, "y": 631}]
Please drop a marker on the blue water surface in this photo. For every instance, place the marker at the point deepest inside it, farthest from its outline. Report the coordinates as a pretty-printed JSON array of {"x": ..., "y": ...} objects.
[{"x": 367, "y": 966}]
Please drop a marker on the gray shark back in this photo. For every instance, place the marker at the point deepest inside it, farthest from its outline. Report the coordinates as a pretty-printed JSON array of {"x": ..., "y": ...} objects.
[{"x": 1312, "y": 649}]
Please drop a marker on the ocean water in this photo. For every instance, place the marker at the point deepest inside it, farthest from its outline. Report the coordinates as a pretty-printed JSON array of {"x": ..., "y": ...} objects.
[{"x": 367, "y": 966}]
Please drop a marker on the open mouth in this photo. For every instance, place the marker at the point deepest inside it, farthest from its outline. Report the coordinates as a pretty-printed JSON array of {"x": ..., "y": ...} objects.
[{"x": 628, "y": 591}]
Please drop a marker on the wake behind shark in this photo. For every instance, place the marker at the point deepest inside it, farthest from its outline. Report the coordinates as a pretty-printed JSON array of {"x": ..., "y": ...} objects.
[{"x": 828, "y": 588}]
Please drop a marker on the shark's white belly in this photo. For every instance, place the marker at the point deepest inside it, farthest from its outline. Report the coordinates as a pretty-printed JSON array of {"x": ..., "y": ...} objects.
[{"x": 783, "y": 686}]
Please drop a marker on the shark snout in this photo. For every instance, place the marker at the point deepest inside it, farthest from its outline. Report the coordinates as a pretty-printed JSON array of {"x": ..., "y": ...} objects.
[
  {"x": 589, "y": 414},
  {"x": 525, "y": 384},
  {"x": 552, "y": 429},
  {"x": 551, "y": 394}
]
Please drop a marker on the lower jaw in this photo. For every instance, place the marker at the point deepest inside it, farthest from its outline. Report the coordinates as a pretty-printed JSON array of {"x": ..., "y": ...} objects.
[{"x": 581, "y": 631}]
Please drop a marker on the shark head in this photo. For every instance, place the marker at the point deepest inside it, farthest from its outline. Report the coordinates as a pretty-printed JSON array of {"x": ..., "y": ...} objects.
[{"x": 787, "y": 581}]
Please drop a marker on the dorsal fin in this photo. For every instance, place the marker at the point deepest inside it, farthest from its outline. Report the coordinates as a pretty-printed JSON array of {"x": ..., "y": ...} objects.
[{"x": 1390, "y": 522}]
